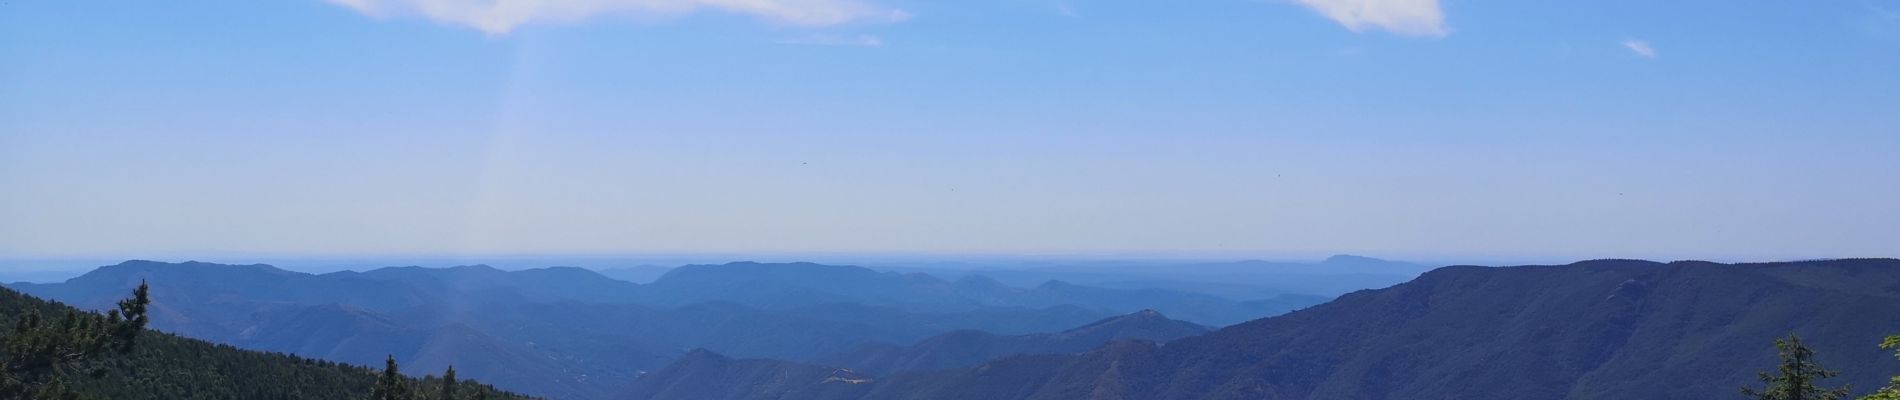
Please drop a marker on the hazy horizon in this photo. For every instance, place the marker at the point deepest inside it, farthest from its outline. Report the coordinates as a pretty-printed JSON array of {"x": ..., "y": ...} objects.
[{"x": 54, "y": 269}]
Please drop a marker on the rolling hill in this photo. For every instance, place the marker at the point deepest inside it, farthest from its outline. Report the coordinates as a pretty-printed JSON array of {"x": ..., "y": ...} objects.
[
  {"x": 572, "y": 333},
  {"x": 1590, "y": 330},
  {"x": 790, "y": 285},
  {"x": 971, "y": 347}
]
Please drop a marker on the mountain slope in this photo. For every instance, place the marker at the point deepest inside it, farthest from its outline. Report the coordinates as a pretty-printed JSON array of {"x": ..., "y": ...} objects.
[
  {"x": 573, "y": 333},
  {"x": 966, "y": 348},
  {"x": 558, "y": 332},
  {"x": 636, "y": 274},
  {"x": 1250, "y": 279},
  {"x": 1591, "y": 330},
  {"x": 164, "y": 366},
  {"x": 794, "y": 285},
  {"x": 703, "y": 375}
]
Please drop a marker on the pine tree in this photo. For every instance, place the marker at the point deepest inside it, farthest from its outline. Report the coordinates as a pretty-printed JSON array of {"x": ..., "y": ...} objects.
[
  {"x": 129, "y": 320},
  {"x": 163, "y": 366},
  {"x": 1892, "y": 391},
  {"x": 391, "y": 385},
  {"x": 1797, "y": 376},
  {"x": 448, "y": 384},
  {"x": 40, "y": 354}
]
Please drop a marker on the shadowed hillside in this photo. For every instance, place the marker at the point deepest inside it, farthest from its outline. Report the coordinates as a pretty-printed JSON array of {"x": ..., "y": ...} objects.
[
  {"x": 573, "y": 333},
  {"x": 164, "y": 367},
  {"x": 1590, "y": 330},
  {"x": 969, "y": 347}
]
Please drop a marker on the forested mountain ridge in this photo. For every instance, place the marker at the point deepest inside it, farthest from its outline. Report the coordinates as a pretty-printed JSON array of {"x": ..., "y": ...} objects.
[
  {"x": 783, "y": 285},
  {"x": 539, "y": 331},
  {"x": 162, "y": 366},
  {"x": 573, "y": 333},
  {"x": 1590, "y": 330},
  {"x": 704, "y": 375},
  {"x": 758, "y": 285},
  {"x": 970, "y": 347}
]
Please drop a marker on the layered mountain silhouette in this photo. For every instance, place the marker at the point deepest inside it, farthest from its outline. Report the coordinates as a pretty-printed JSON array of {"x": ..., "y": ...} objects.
[
  {"x": 1247, "y": 279},
  {"x": 1592, "y": 330},
  {"x": 573, "y": 333},
  {"x": 972, "y": 347},
  {"x": 774, "y": 286},
  {"x": 636, "y": 274},
  {"x": 702, "y": 374}
]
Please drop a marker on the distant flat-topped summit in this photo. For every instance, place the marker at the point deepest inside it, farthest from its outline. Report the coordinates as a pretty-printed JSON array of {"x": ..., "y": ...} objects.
[{"x": 1348, "y": 258}]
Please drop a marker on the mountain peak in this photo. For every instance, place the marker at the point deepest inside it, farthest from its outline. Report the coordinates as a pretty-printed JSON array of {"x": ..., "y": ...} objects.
[
  {"x": 475, "y": 267},
  {"x": 562, "y": 271},
  {"x": 978, "y": 280},
  {"x": 1349, "y": 258},
  {"x": 149, "y": 266},
  {"x": 701, "y": 354},
  {"x": 1617, "y": 262},
  {"x": 845, "y": 375},
  {"x": 1147, "y": 324}
]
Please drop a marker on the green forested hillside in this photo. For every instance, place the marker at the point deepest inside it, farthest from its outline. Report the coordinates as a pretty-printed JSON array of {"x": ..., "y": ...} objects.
[
  {"x": 164, "y": 366},
  {"x": 574, "y": 334},
  {"x": 1607, "y": 329},
  {"x": 968, "y": 347}
]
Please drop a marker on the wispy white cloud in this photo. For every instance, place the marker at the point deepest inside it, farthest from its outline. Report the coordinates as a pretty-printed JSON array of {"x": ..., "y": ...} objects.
[
  {"x": 503, "y": 16},
  {"x": 836, "y": 40},
  {"x": 1640, "y": 47},
  {"x": 1404, "y": 17},
  {"x": 1062, "y": 7}
]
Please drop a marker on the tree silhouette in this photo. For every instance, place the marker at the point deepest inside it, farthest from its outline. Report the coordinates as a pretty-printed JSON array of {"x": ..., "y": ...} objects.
[
  {"x": 391, "y": 385},
  {"x": 40, "y": 354},
  {"x": 448, "y": 384},
  {"x": 1892, "y": 391},
  {"x": 1796, "y": 377}
]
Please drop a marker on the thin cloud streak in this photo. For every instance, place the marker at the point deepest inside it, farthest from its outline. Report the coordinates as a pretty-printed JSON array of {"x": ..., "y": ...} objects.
[
  {"x": 836, "y": 40},
  {"x": 499, "y": 17},
  {"x": 1403, "y": 17},
  {"x": 1640, "y": 47},
  {"x": 1066, "y": 11}
]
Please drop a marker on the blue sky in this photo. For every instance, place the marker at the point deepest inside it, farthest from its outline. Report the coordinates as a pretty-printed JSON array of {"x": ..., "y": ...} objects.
[{"x": 1400, "y": 128}]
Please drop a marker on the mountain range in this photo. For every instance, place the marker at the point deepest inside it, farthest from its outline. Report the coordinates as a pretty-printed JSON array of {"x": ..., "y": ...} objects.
[
  {"x": 573, "y": 333},
  {"x": 705, "y": 374},
  {"x": 1603, "y": 329},
  {"x": 1246, "y": 279},
  {"x": 972, "y": 347}
]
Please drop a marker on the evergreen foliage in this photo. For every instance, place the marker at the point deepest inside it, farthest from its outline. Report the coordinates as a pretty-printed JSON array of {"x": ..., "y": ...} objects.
[
  {"x": 161, "y": 366},
  {"x": 1797, "y": 376},
  {"x": 448, "y": 384},
  {"x": 1892, "y": 390},
  {"x": 390, "y": 385},
  {"x": 42, "y": 353}
]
